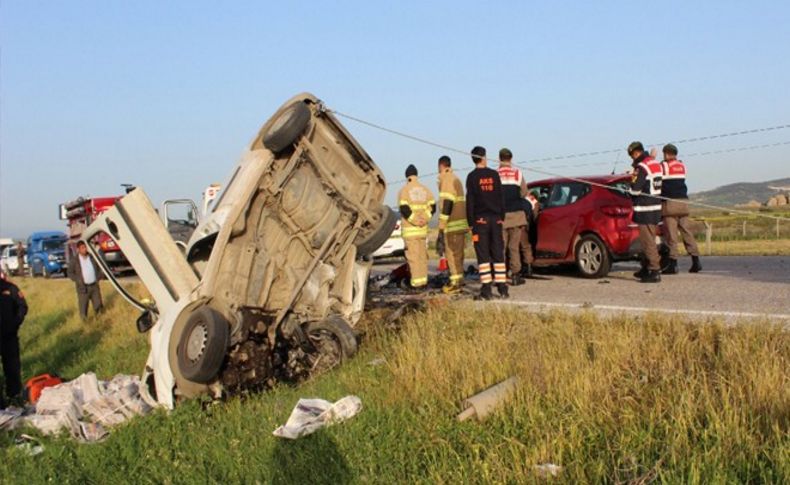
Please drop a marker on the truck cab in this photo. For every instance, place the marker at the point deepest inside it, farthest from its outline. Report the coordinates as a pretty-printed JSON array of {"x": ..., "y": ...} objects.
[
  {"x": 46, "y": 253},
  {"x": 79, "y": 214}
]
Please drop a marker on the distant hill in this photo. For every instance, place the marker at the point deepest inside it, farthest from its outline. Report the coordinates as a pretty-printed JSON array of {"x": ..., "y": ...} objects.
[{"x": 742, "y": 192}]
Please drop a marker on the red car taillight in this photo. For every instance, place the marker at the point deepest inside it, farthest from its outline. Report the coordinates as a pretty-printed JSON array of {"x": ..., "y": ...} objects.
[
  {"x": 616, "y": 210},
  {"x": 107, "y": 244}
]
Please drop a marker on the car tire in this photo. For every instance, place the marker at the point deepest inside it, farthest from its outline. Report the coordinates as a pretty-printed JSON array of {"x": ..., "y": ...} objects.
[
  {"x": 333, "y": 340},
  {"x": 287, "y": 128},
  {"x": 592, "y": 257},
  {"x": 367, "y": 245},
  {"x": 203, "y": 345}
]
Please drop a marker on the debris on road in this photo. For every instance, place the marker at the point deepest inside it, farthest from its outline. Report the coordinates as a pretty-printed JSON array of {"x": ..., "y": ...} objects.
[
  {"x": 482, "y": 404},
  {"x": 310, "y": 415},
  {"x": 85, "y": 406}
]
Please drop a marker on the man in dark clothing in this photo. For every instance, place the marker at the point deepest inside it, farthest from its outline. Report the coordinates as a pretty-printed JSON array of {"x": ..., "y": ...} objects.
[
  {"x": 13, "y": 309},
  {"x": 84, "y": 272},
  {"x": 485, "y": 213},
  {"x": 645, "y": 184}
]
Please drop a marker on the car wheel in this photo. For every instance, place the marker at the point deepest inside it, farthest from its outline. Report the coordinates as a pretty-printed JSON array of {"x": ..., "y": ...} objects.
[
  {"x": 592, "y": 257},
  {"x": 287, "y": 128},
  {"x": 368, "y": 244},
  {"x": 333, "y": 342},
  {"x": 203, "y": 345}
]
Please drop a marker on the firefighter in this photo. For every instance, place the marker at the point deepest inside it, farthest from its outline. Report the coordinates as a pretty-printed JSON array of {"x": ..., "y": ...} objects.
[
  {"x": 485, "y": 213},
  {"x": 417, "y": 205},
  {"x": 646, "y": 183},
  {"x": 676, "y": 211},
  {"x": 514, "y": 190},
  {"x": 13, "y": 309},
  {"x": 452, "y": 223}
]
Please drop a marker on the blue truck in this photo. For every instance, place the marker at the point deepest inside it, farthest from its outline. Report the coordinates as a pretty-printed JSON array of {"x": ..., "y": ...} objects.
[{"x": 46, "y": 253}]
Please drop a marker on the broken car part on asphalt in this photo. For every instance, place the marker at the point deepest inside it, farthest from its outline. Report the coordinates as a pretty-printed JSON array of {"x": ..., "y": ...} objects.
[{"x": 274, "y": 277}]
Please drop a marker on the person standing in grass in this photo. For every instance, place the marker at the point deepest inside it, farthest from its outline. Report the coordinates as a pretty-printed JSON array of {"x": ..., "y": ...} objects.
[
  {"x": 13, "y": 309},
  {"x": 676, "y": 211},
  {"x": 84, "y": 272}
]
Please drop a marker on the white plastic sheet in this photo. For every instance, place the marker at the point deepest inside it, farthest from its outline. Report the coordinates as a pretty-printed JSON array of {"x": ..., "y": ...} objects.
[
  {"x": 85, "y": 407},
  {"x": 310, "y": 415}
]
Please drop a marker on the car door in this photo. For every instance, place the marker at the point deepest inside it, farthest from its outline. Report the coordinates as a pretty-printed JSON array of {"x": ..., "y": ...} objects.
[{"x": 558, "y": 219}]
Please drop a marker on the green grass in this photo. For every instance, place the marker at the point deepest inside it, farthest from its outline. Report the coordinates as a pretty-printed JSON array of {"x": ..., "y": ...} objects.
[{"x": 613, "y": 400}]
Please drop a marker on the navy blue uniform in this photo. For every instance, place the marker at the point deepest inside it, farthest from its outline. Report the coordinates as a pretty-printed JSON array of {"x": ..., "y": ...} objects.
[{"x": 13, "y": 309}]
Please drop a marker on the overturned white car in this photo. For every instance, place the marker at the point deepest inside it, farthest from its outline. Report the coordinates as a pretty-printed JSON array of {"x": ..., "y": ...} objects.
[{"x": 274, "y": 277}]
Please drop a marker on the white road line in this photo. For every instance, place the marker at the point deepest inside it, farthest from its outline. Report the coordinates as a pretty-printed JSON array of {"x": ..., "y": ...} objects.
[{"x": 711, "y": 313}]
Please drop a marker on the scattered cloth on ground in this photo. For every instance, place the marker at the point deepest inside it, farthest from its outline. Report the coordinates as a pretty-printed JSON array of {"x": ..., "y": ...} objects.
[
  {"x": 310, "y": 415},
  {"x": 85, "y": 407}
]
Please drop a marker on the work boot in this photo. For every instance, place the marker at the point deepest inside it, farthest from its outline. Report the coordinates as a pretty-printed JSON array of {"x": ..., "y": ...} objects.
[
  {"x": 651, "y": 277},
  {"x": 643, "y": 271},
  {"x": 526, "y": 271},
  {"x": 501, "y": 288},
  {"x": 451, "y": 289},
  {"x": 696, "y": 267},
  {"x": 672, "y": 267},
  {"x": 517, "y": 280},
  {"x": 485, "y": 292}
]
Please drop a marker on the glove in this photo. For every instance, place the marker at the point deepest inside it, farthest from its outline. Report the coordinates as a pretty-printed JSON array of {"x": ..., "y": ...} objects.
[{"x": 440, "y": 245}]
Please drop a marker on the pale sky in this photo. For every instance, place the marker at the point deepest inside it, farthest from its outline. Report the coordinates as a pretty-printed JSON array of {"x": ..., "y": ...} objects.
[{"x": 166, "y": 95}]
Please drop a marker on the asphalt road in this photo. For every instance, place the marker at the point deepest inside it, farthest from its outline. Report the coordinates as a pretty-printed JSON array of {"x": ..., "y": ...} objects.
[{"x": 731, "y": 287}]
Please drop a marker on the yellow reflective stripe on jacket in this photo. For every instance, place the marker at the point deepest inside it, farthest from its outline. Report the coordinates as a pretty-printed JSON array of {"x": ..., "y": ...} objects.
[
  {"x": 447, "y": 195},
  {"x": 444, "y": 217},
  {"x": 408, "y": 232}
]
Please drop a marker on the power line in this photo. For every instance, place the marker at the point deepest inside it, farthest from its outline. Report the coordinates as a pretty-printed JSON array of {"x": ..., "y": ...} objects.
[{"x": 588, "y": 182}]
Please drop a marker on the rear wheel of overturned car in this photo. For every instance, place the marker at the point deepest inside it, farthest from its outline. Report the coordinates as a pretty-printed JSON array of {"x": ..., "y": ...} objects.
[
  {"x": 592, "y": 257},
  {"x": 332, "y": 342},
  {"x": 202, "y": 345},
  {"x": 369, "y": 242},
  {"x": 287, "y": 127}
]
